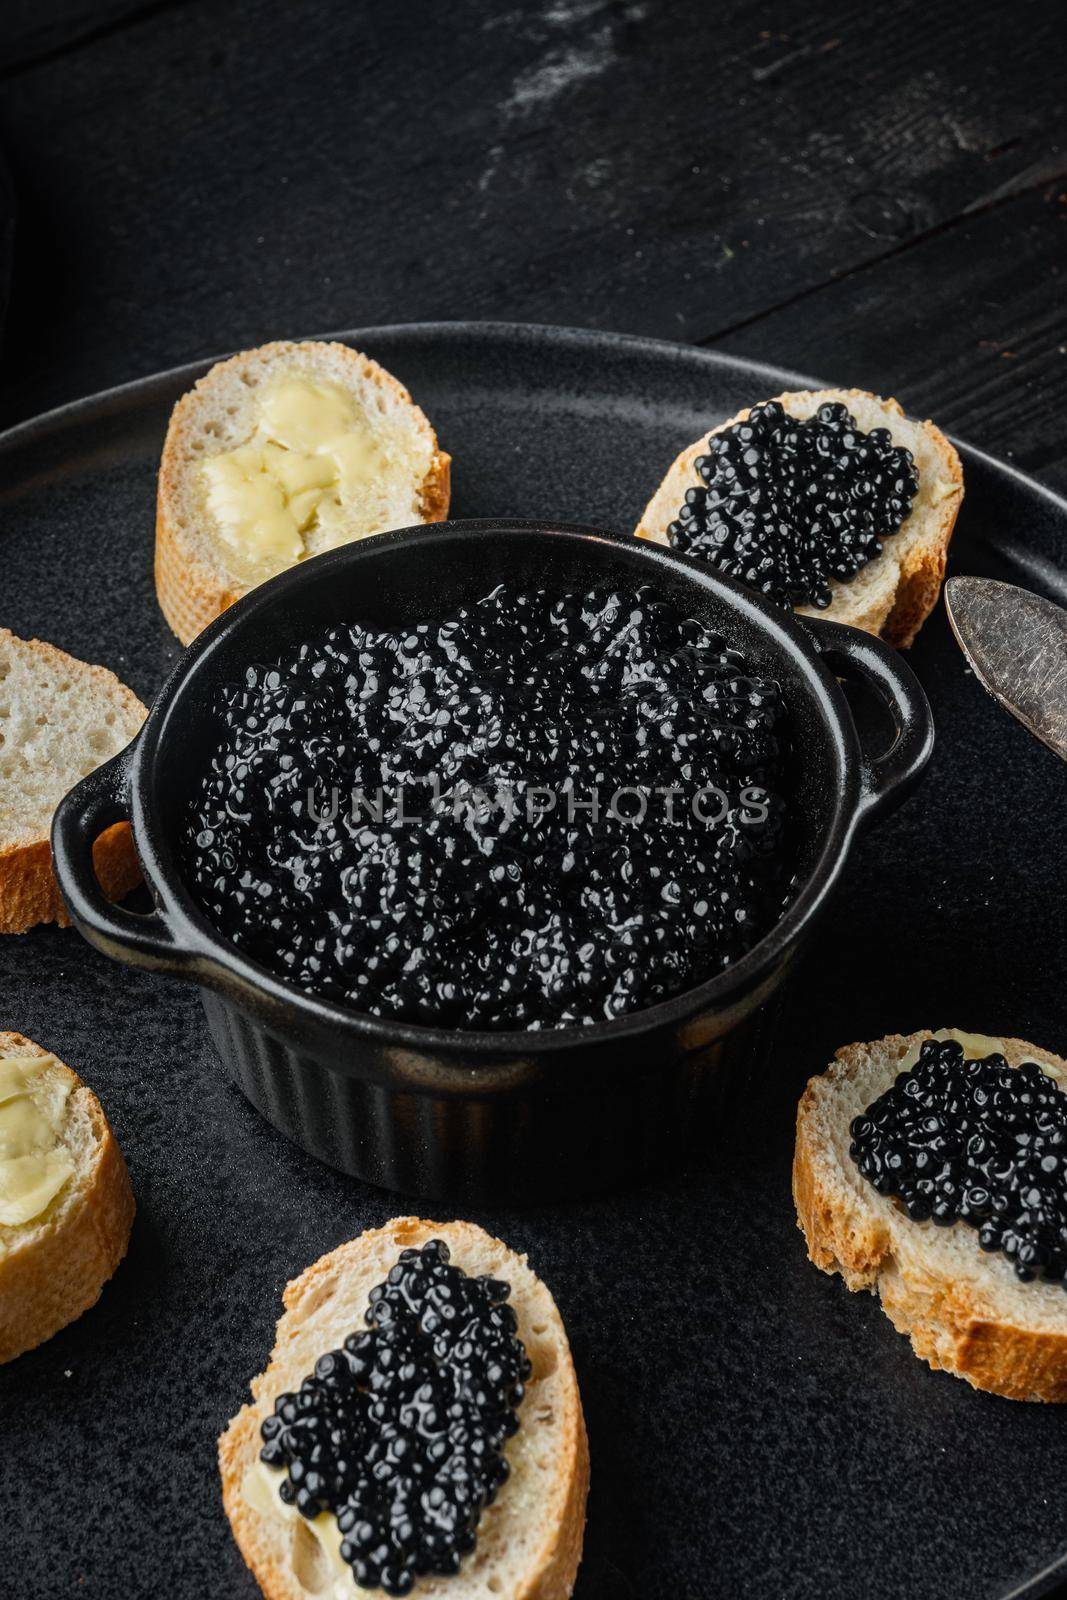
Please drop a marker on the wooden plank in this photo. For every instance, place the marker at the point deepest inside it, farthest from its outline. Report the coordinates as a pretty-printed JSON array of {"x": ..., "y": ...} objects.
[
  {"x": 220, "y": 173},
  {"x": 35, "y": 29},
  {"x": 7, "y": 236},
  {"x": 969, "y": 327}
]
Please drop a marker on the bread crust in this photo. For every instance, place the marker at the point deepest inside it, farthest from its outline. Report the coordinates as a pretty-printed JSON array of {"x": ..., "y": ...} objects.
[
  {"x": 29, "y": 893},
  {"x": 190, "y": 592},
  {"x": 55, "y": 1275},
  {"x": 898, "y": 617},
  {"x": 946, "y": 1321},
  {"x": 552, "y": 1572}
]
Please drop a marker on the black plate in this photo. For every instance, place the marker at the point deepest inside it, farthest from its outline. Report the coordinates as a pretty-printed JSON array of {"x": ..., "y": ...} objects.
[{"x": 754, "y": 1429}]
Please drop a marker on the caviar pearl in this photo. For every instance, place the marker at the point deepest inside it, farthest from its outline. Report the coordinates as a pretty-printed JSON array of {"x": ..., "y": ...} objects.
[
  {"x": 554, "y": 904},
  {"x": 977, "y": 1142},
  {"x": 787, "y": 506},
  {"x": 401, "y": 1432}
]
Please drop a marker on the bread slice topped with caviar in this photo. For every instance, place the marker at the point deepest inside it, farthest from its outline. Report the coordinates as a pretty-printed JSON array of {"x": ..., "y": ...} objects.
[
  {"x": 66, "y": 1206},
  {"x": 420, "y": 1373},
  {"x": 279, "y": 454},
  {"x": 931, "y": 1168},
  {"x": 828, "y": 500},
  {"x": 59, "y": 719}
]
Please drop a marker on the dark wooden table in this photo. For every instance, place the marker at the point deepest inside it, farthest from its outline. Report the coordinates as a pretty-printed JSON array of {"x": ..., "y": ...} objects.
[{"x": 874, "y": 194}]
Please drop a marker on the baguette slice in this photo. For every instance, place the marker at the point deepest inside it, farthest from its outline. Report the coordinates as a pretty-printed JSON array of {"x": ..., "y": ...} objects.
[
  {"x": 53, "y": 1267},
  {"x": 894, "y": 594},
  {"x": 197, "y": 573},
  {"x": 59, "y": 719},
  {"x": 964, "y": 1311},
  {"x": 530, "y": 1538}
]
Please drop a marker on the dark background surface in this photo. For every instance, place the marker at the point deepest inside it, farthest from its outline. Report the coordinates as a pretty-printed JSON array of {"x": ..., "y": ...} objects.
[{"x": 876, "y": 195}]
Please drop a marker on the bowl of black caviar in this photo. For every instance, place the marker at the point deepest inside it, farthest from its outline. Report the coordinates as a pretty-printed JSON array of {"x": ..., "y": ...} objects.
[{"x": 490, "y": 845}]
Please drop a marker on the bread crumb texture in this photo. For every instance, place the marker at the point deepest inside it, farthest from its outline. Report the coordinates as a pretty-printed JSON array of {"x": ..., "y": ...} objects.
[
  {"x": 894, "y": 594},
  {"x": 965, "y": 1311},
  {"x": 530, "y": 1539},
  {"x": 53, "y": 1267},
  {"x": 60, "y": 718}
]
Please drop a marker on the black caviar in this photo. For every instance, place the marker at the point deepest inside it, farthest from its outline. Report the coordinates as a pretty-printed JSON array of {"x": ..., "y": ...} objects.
[
  {"x": 591, "y": 813},
  {"x": 977, "y": 1142},
  {"x": 788, "y": 505},
  {"x": 401, "y": 1432}
]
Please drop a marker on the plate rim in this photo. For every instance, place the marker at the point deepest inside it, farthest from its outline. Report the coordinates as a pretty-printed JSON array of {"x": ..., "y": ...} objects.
[{"x": 29, "y": 429}]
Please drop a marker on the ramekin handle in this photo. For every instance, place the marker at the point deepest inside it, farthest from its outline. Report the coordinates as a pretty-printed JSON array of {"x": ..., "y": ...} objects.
[
  {"x": 889, "y": 775},
  {"x": 92, "y": 806}
]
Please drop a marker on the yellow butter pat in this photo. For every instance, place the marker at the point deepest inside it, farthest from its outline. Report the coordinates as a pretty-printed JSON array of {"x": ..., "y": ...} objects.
[
  {"x": 34, "y": 1162},
  {"x": 312, "y": 448}
]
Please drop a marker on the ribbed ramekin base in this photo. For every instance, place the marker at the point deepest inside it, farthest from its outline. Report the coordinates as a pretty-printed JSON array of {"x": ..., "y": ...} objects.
[{"x": 568, "y": 1133}]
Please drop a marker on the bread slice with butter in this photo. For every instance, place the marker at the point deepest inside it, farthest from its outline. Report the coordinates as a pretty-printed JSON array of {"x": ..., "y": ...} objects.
[
  {"x": 278, "y": 454},
  {"x": 59, "y": 719},
  {"x": 66, "y": 1205},
  {"x": 529, "y": 1540},
  {"x": 895, "y": 593},
  {"x": 965, "y": 1311}
]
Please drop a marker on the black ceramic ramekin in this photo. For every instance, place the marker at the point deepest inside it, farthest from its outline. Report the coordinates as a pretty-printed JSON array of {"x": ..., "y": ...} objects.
[{"x": 480, "y": 1116}]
